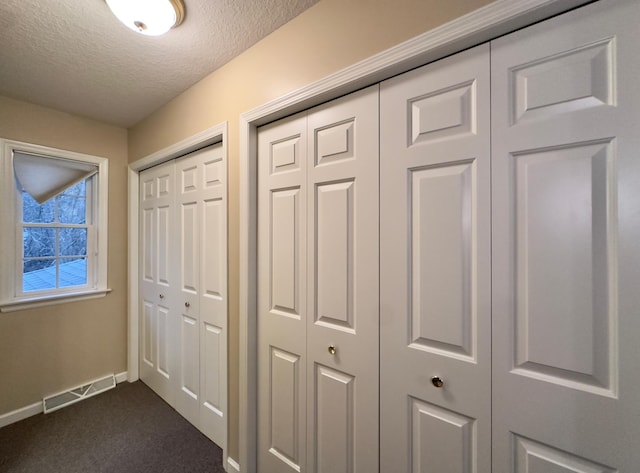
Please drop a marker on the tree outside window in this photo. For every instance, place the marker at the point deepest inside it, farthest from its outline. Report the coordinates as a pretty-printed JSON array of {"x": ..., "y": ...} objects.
[{"x": 55, "y": 239}]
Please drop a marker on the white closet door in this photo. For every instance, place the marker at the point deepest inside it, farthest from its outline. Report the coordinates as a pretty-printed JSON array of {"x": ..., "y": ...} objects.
[
  {"x": 188, "y": 203},
  {"x": 343, "y": 320},
  {"x": 435, "y": 268},
  {"x": 159, "y": 322},
  {"x": 201, "y": 298},
  {"x": 282, "y": 287},
  {"x": 566, "y": 251},
  {"x": 213, "y": 294}
]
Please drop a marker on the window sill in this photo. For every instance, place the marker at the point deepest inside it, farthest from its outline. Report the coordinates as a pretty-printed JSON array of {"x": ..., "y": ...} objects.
[{"x": 33, "y": 303}]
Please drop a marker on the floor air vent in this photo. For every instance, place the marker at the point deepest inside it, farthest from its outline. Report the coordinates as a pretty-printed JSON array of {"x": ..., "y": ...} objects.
[{"x": 60, "y": 400}]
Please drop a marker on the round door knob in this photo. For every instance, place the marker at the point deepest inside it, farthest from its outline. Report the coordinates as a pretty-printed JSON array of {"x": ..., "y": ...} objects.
[
  {"x": 187, "y": 305},
  {"x": 331, "y": 350},
  {"x": 437, "y": 381},
  {"x": 161, "y": 296}
]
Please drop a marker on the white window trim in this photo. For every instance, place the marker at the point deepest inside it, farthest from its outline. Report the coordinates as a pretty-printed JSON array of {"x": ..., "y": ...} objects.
[{"x": 9, "y": 298}]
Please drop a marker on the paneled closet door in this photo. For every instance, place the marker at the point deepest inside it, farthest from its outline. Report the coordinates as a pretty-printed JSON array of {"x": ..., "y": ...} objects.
[
  {"x": 342, "y": 314},
  {"x": 201, "y": 298},
  {"x": 435, "y": 343},
  {"x": 282, "y": 296},
  {"x": 317, "y": 291},
  {"x": 188, "y": 203},
  {"x": 213, "y": 294},
  {"x": 566, "y": 243},
  {"x": 158, "y": 281}
]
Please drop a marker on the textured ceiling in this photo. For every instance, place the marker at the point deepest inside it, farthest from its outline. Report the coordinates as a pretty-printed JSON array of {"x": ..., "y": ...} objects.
[{"x": 74, "y": 55}]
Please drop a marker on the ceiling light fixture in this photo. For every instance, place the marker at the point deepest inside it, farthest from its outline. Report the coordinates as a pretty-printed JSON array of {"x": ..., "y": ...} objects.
[{"x": 148, "y": 17}]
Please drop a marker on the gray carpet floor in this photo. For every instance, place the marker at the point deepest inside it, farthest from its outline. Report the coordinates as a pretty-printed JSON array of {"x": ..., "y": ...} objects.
[{"x": 127, "y": 429}]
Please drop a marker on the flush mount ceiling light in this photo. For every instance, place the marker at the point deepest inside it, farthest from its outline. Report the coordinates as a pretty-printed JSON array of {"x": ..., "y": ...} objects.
[{"x": 148, "y": 17}]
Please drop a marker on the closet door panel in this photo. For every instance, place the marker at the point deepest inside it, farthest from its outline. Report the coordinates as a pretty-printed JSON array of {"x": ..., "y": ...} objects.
[
  {"x": 188, "y": 176},
  {"x": 212, "y": 303},
  {"x": 160, "y": 322},
  {"x": 342, "y": 327},
  {"x": 335, "y": 441},
  {"x": 565, "y": 270},
  {"x": 282, "y": 310},
  {"x": 435, "y": 343}
]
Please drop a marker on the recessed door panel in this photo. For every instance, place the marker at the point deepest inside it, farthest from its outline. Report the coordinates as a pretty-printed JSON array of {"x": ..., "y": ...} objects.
[
  {"x": 213, "y": 172},
  {"x": 285, "y": 248},
  {"x": 442, "y": 318},
  {"x": 334, "y": 258},
  {"x": 571, "y": 80},
  {"x": 334, "y": 142},
  {"x": 165, "y": 183},
  {"x": 190, "y": 353},
  {"x": 147, "y": 235},
  {"x": 163, "y": 244},
  {"x": 164, "y": 343},
  {"x": 334, "y": 420},
  {"x": 442, "y": 113},
  {"x": 286, "y": 440},
  {"x": 212, "y": 364},
  {"x": 285, "y": 154},
  {"x": 214, "y": 250},
  {"x": 148, "y": 189},
  {"x": 148, "y": 323},
  {"x": 190, "y": 241},
  {"x": 189, "y": 178},
  {"x": 441, "y": 440},
  {"x": 565, "y": 197},
  {"x": 534, "y": 457}
]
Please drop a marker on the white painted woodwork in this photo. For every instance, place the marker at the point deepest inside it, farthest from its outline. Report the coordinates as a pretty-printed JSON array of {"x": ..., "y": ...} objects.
[
  {"x": 188, "y": 337},
  {"x": 435, "y": 268},
  {"x": 342, "y": 282},
  {"x": 483, "y": 24},
  {"x": 213, "y": 296},
  {"x": 282, "y": 296},
  {"x": 318, "y": 259},
  {"x": 188, "y": 196},
  {"x": 566, "y": 259},
  {"x": 201, "y": 204},
  {"x": 334, "y": 445},
  {"x": 561, "y": 255},
  {"x": 441, "y": 440},
  {"x": 159, "y": 322}
]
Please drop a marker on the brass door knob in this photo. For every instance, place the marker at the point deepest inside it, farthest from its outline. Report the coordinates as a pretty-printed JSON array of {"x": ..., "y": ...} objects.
[
  {"x": 187, "y": 305},
  {"x": 437, "y": 381},
  {"x": 331, "y": 350}
]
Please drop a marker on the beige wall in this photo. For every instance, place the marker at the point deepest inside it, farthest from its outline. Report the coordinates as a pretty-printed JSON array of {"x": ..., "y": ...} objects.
[
  {"x": 326, "y": 38},
  {"x": 46, "y": 350}
]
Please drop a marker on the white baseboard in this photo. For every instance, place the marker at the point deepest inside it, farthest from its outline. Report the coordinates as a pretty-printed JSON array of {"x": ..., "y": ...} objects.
[
  {"x": 232, "y": 465},
  {"x": 37, "y": 408},
  {"x": 122, "y": 377},
  {"x": 20, "y": 414}
]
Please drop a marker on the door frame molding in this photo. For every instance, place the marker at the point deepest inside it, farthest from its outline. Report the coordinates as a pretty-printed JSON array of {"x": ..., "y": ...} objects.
[
  {"x": 207, "y": 137},
  {"x": 496, "y": 19}
]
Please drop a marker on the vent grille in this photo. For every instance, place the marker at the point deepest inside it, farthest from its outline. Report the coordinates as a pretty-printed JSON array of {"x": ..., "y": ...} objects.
[{"x": 64, "y": 399}]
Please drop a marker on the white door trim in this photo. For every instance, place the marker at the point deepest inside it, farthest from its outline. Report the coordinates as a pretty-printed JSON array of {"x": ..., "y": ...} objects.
[
  {"x": 484, "y": 24},
  {"x": 209, "y": 136}
]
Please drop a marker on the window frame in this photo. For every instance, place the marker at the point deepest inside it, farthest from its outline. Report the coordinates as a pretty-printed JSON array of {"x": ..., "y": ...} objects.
[{"x": 12, "y": 296}]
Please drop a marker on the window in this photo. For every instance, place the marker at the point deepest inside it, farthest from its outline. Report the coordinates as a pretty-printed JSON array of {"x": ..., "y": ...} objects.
[{"x": 53, "y": 226}]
